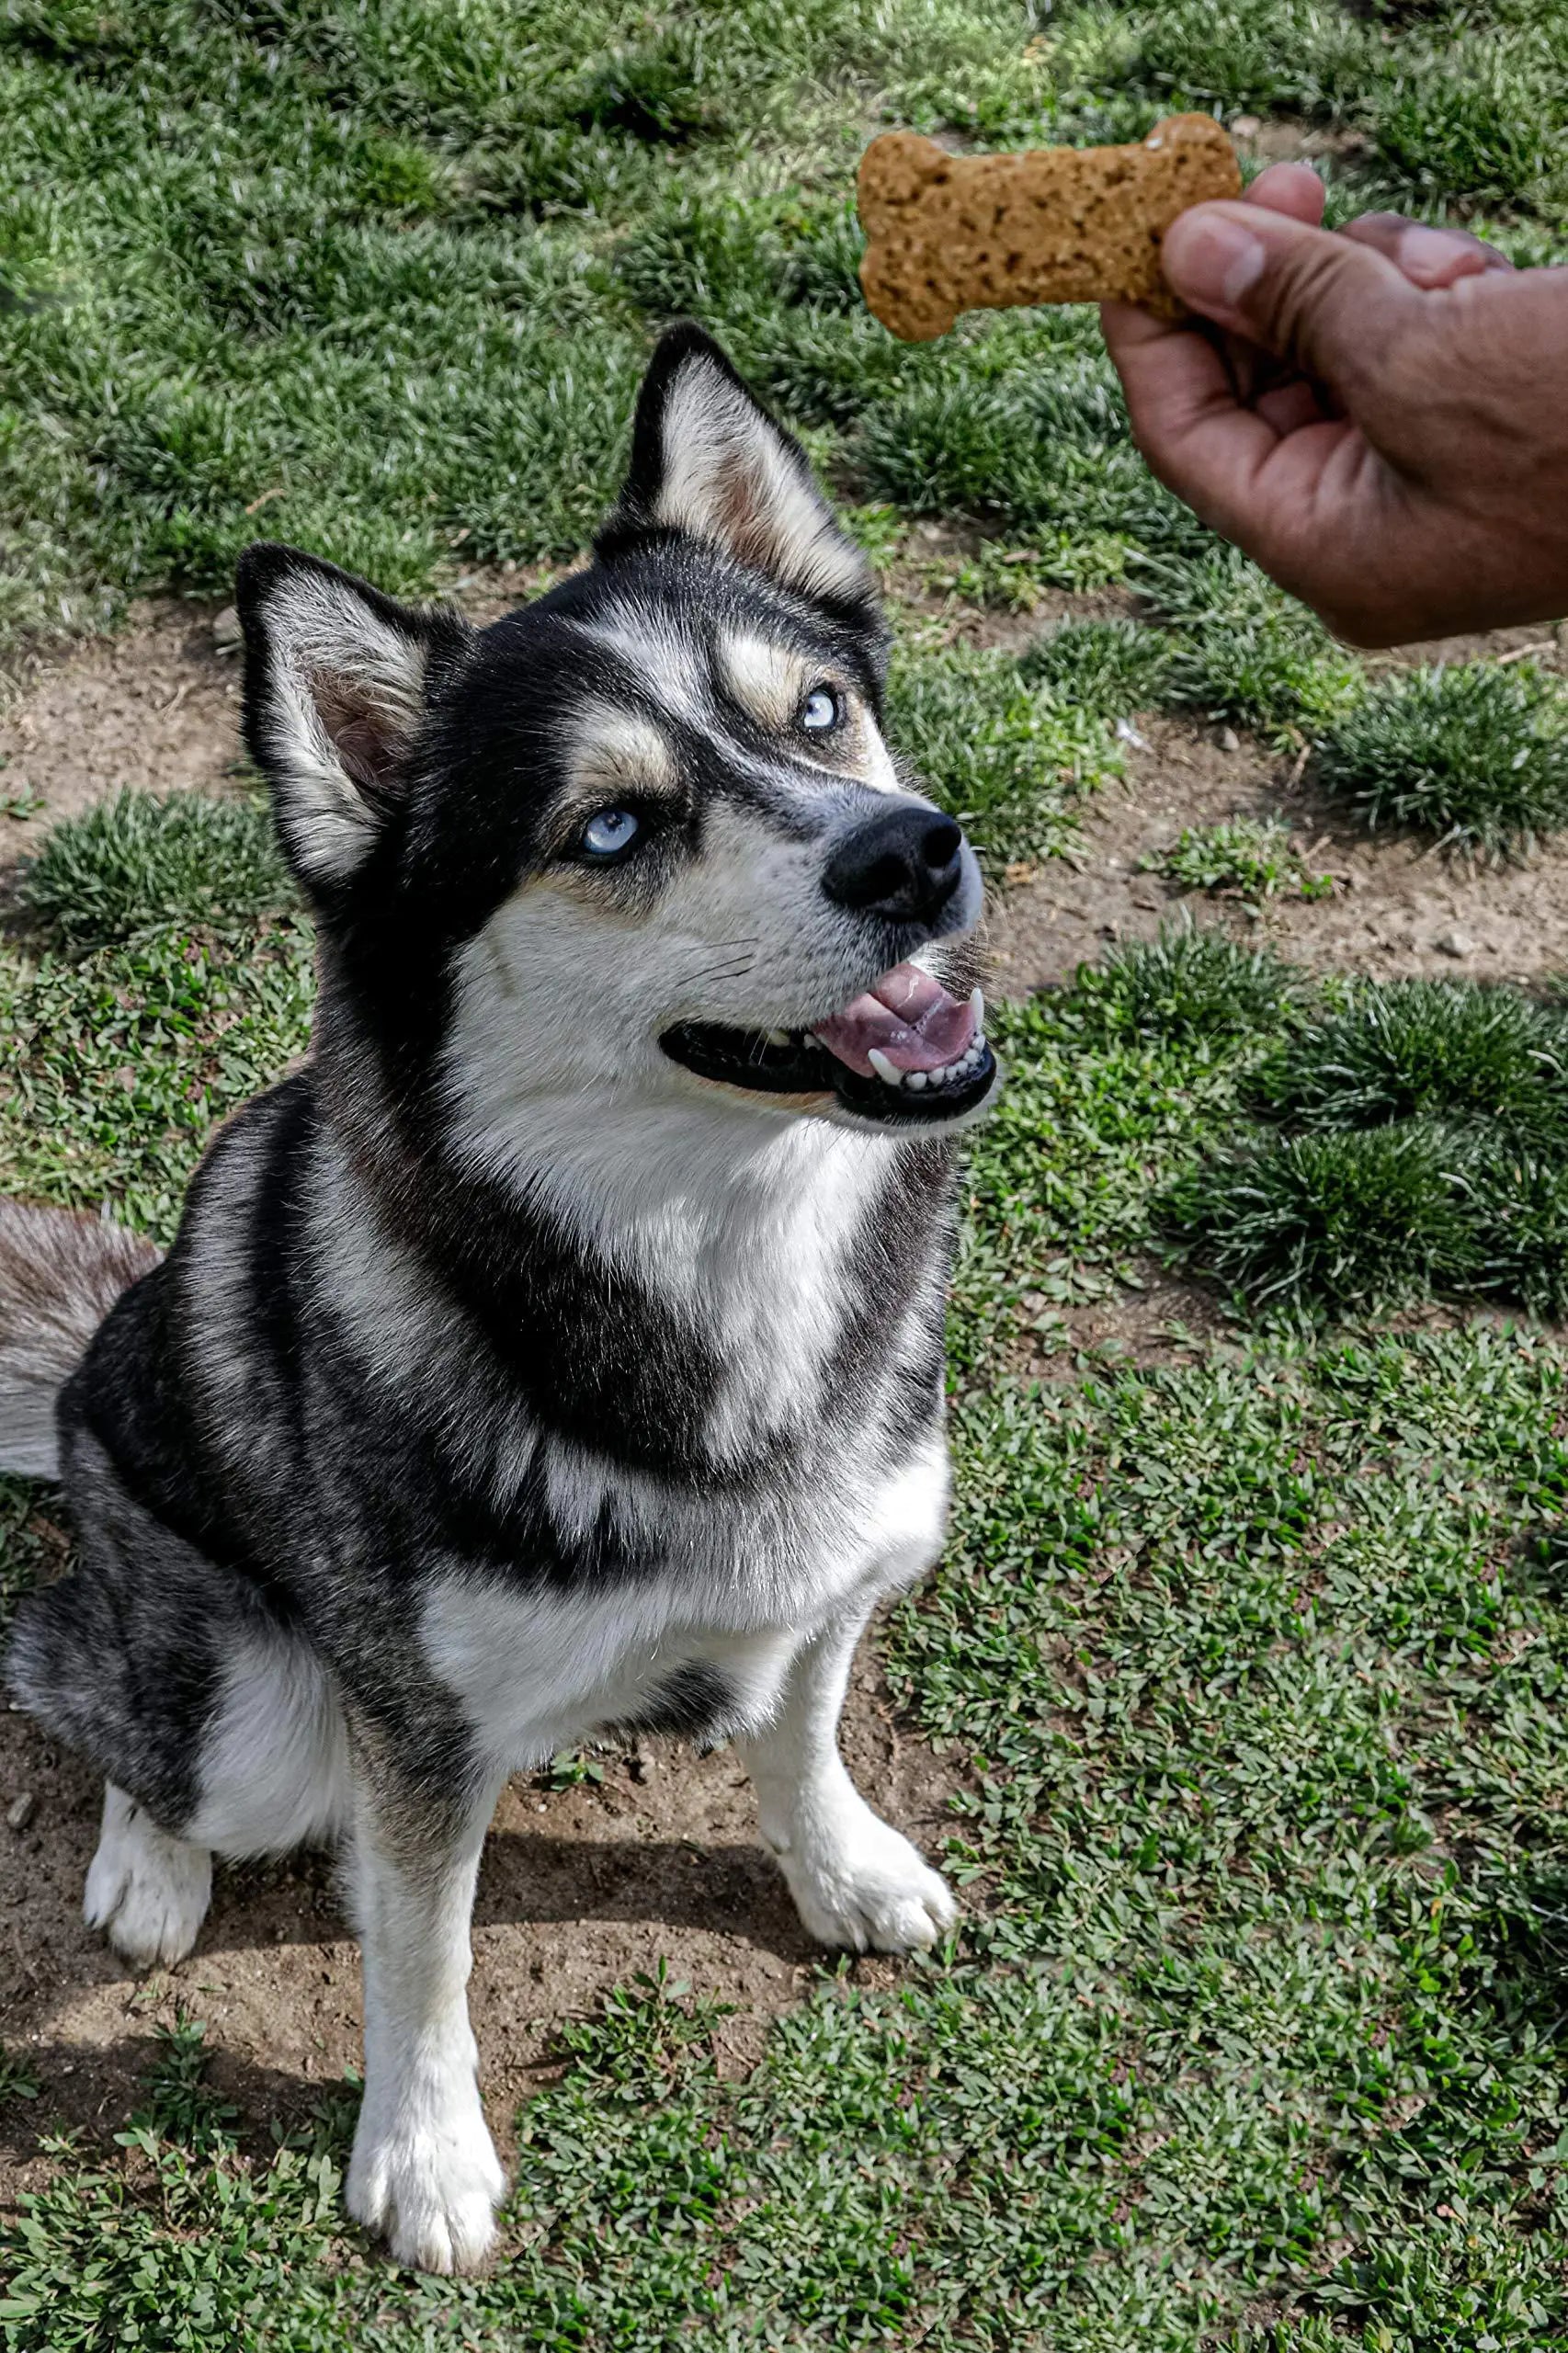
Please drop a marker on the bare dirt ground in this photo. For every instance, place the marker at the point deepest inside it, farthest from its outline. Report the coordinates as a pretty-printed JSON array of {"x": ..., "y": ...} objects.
[{"x": 583, "y": 1887}]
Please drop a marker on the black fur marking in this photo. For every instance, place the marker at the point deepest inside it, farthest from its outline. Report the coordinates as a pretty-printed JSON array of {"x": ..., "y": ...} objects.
[
  {"x": 633, "y": 525},
  {"x": 697, "y": 1702}
]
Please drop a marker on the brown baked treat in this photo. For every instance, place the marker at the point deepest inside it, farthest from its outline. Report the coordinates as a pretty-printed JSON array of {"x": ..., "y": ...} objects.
[{"x": 948, "y": 233}]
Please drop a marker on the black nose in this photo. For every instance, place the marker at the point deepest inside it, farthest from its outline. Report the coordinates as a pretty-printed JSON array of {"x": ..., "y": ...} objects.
[{"x": 904, "y": 863}]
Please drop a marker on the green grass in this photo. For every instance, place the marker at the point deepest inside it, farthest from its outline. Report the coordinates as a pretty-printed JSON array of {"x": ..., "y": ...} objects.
[
  {"x": 1188, "y": 984},
  {"x": 1420, "y": 1147},
  {"x": 1474, "y": 754},
  {"x": 1256, "y": 856},
  {"x": 1107, "y": 668},
  {"x": 174, "y": 978},
  {"x": 1398, "y": 1050},
  {"x": 133, "y": 864},
  {"x": 1244, "y": 650}
]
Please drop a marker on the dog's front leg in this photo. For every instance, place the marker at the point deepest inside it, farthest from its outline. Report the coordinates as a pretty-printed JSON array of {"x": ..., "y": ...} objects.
[
  {"x": 423, "y": 2169},
  {"x": 856, "y": 1882}
]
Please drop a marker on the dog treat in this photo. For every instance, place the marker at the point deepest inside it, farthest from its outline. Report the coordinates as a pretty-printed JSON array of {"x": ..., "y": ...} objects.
[{"x": 948, "y": 233}]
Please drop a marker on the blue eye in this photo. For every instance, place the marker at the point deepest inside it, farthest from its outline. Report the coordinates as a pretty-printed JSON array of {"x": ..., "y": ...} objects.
[
  {"x": 611, "y": 831},
  {"x": 820, "y": 711}
]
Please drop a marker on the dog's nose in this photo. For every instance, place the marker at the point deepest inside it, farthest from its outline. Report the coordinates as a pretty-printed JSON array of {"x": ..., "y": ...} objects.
[{"x": 904, "y": 863}]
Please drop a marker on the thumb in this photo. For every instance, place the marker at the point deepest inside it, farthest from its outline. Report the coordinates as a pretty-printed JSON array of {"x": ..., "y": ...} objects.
[{"x": 1320, "y": 302}]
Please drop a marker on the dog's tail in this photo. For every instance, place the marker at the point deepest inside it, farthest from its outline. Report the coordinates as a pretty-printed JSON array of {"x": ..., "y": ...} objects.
[{"x": 60, "y": 1274}]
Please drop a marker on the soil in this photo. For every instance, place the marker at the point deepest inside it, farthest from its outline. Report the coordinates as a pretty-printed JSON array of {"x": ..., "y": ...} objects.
[{"x": 584, "y": 1886}]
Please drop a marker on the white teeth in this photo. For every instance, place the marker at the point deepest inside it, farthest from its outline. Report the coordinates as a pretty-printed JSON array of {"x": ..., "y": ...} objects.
[
  {"x": 977, "y": 1007},
  {"x": 778, "y": 1037},
  {"x": 951, "y": 1073}
]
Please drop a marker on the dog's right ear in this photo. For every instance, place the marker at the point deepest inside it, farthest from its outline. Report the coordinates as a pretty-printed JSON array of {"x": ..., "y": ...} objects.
[{"x": 338, "y": 679}]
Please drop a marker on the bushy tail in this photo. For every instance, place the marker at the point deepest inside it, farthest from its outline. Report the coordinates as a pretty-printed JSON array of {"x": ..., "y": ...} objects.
[{"x": 60, "y": 1274}]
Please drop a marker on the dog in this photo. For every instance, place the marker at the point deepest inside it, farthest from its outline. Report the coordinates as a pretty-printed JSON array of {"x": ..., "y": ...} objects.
[{"x": 557, "y": 1356}]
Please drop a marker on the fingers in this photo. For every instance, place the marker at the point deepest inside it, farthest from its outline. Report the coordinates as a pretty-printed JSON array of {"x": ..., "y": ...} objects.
[
  {"x": 1428, "y": 258},
  {"x": 1186, "y": 417},
  {"x": 1292, "y": 188},
  {"x": 1327, "y": 304}
]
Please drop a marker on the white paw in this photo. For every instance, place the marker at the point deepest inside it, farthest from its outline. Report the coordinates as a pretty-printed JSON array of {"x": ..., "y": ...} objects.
[
  {"x": 430, "y": 2185},
  {"x": 867, "y": 1888},
  {"x": 149, "y": 1892}
]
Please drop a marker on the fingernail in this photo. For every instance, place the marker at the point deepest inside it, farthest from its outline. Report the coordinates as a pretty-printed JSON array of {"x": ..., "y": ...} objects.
[
  {"x": 1212, "y": 260},
  {"x": 1433, "y": 257}
]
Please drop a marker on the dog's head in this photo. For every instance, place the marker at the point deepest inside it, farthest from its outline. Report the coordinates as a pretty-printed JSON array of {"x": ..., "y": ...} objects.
[{"x": 643, "y": 834}]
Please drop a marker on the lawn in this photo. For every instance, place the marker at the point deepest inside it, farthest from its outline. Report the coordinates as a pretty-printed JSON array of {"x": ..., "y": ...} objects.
[{"x": 1246, "y": 1657}]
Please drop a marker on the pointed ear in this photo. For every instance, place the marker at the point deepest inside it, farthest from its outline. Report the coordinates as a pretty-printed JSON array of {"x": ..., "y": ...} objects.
[
  {"x": 707, "y": 458},
  {"x": 338, "y": 679}
]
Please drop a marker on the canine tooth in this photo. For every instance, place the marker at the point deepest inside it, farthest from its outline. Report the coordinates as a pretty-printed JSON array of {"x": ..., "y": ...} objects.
[
  {"x": 977, "y": 1008},
  {"x": 778, "y": 1037},
  {"x": 889, "y": 1073}
]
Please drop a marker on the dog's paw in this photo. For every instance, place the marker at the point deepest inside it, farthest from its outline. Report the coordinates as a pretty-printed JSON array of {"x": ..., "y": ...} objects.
[
  {"x": 868, "y": 1889},
  {"x": 430, "y": 2186},
  {"x": 148, "y": 1892}
]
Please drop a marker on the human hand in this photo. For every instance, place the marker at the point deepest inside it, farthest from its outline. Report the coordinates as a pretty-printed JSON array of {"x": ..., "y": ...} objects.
[{"x": 1381, "y": 422}]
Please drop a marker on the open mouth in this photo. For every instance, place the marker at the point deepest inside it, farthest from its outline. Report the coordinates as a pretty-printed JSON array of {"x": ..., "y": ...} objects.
[{"x": 905, "y": 1052}]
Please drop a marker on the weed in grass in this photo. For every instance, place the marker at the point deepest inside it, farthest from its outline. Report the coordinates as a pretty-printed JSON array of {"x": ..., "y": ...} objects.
[
  {"x": 1244, "y": 650},
  {"x": 1397, "y": 1049},
  {"x": 1472, "y": 752},
  {"x": 1355, "y": 1216},
  {"x": 1107, "y": 668},
  {"x": 1256, "y": 856},
  {"x": 134, "y": 863},
  {"x": 1185, "y": 984},
  {"x": 1005, "y": 758},
  {"x": 180, "y": 2104},
  {"x": 18, "y": 2080}
]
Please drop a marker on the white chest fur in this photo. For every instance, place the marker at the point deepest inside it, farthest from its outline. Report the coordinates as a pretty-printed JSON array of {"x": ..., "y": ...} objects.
[{"x": 535, "y": 1671}]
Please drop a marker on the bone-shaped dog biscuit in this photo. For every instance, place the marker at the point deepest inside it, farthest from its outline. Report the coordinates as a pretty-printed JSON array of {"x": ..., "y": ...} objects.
[{"x": 948, "y": 233}]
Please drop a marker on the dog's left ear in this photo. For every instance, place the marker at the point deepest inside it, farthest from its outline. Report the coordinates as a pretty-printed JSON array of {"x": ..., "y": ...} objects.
[
  {"x": 338, "y": 679},
  {"x": 707, "y": 458}
]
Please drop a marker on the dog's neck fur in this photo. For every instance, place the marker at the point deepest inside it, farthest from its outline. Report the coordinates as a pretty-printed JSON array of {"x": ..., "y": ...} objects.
[{"x": 736, "y": 1256}]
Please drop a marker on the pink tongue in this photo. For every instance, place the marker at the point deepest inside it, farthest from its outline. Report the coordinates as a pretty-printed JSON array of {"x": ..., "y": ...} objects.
[{"x": 906, "y": 1016}]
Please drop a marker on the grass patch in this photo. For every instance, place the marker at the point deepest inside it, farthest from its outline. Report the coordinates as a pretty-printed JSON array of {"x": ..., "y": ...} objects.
[
  {"x": 1186, "y": 984},
  {"x": 124, "y": 1057},
  {"x": 1473, "y": 754},
  {"x": 1358, "y": 1218},
  {"x": 1422, "y": 1144},
  {"x": 135, "y": 864},
  {"x": 1255, "y": 857},
  {"x": 1244, "y": 650},
  {"x": 1107, "y": 668},
  {"x": 1402, "y": 1049}
]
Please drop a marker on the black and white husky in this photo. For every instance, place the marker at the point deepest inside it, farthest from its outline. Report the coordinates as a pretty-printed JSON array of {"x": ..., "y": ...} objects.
[{"x": 559, "y": 1351}]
